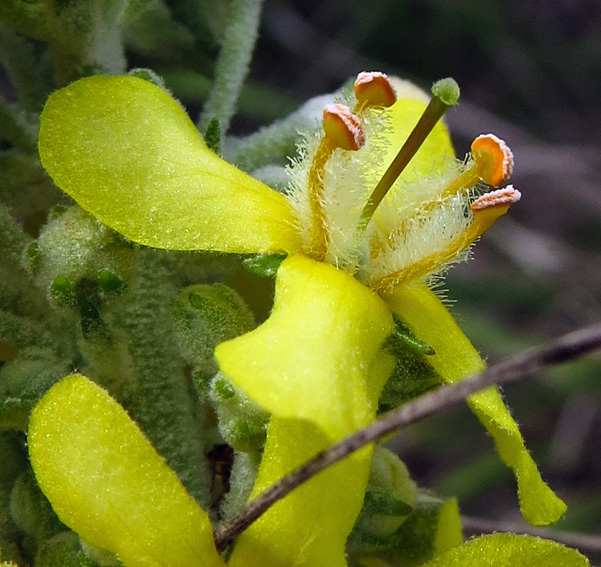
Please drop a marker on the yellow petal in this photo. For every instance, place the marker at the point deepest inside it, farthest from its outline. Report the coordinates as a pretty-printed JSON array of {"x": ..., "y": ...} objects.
[
  {"x": 107, "y": 483},
  {"x": 510, "y": 550},
  {"x": 310, "y": 526},
  {"x": 316, "y": 364},
  {"x": 128, "y": 153},
  {"x": 310, "y": 359},
  {"x": 455, "y": 359}
]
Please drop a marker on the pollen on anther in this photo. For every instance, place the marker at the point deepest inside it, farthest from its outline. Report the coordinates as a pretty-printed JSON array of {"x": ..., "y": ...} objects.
[
  {"x": 342, "y": 128},
  {"x": 374, "y": 89},
  {"x": 501, "y": 198},
  {"x": 493, "y": 158}
]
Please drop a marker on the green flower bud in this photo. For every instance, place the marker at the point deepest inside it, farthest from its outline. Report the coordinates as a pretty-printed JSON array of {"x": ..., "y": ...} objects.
[
  {"x": 205, "y": 316},
  {"x": 74, "y": 246},
  {"x": 432, "y": 528},
  {"x": 110, "y": 284},
  {"x": 390, "y": 497},
  {"x": 222, "y": 389},
  {"x": 242, "y": 423}
]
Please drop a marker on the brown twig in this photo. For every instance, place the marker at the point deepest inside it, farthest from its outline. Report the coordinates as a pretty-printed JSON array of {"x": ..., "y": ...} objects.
[{"x": 563, "y": 349}]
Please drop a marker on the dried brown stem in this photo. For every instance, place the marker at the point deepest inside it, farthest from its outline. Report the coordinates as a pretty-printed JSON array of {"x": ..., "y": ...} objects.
[{"x": 563, "y": 349}]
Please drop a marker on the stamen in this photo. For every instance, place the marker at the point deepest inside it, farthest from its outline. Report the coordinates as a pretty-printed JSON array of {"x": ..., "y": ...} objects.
[
  {"x": 374, "y": 89},
  {"x": 492, "y": 162},
  {"x": 486, "y": 209},
  {"x": 445, "y": 93},
  {"x": 497, "y": 200},
  {"x": 342, "y": 130},
  {"x": 493, "y": 158}
]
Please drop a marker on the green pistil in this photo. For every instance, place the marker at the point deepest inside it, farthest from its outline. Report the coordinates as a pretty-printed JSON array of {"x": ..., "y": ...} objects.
[{"x": 445, "y": 93}]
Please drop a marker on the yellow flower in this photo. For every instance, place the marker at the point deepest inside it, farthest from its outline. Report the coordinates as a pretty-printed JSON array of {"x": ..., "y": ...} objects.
[
  {"x": 106, "y": 481},
  {"x": 128, "y": 153}
]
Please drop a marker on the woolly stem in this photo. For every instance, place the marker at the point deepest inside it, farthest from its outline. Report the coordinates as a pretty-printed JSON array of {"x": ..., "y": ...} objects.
[
  {"x": 17, "y": 56},
  {"x": 13, "y": 240},
  {"x": 270, "y": 144},
  {"x": 233, "y": 63}
]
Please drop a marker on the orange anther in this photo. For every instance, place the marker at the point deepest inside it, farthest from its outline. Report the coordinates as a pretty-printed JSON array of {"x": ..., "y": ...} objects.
[
  {"x": 498, "y": 200},
  {"x": 374, "y": 89},
  {"x": 342, "y": 128},
  {"x": 493, "y": 158}
]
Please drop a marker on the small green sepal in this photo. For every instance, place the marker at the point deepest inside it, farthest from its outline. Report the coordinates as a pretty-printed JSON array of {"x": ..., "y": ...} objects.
[
  {"x": 110, "y": 284},
  {"x": 264, "y": 265},
  {"x": 148, "y": 75},
  {"x": 213, "y": 136},
  {"x": 403, "y": 333},
  {"x": 61, "y": 289},
  {"x": 222, "y": 389}
]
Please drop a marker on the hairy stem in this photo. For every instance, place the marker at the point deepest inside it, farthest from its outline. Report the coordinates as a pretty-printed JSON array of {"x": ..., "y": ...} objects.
[{"x": 233, "y": 63}]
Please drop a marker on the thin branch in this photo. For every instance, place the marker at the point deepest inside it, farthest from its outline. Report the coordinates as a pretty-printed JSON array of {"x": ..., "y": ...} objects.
[
  {"x": 566, "y": 348},
  {"x": 583, "y": 542}
]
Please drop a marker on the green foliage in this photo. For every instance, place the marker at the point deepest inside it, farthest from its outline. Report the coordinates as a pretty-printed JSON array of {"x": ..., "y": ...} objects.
[
  {"x": 433, "y": 527},
  {"x": 265, "y": 265},
  {"x": 213, "y": 136},
  {"x": 413, "y": 374},
  {"x": 206, "y": 315}
]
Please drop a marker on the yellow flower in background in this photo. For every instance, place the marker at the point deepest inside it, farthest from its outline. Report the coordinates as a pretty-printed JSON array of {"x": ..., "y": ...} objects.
[{"x": 362, "y": 240}]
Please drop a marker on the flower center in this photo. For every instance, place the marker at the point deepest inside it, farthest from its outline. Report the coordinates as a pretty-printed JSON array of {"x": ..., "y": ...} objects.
[{"x": 424, "y": 224}]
